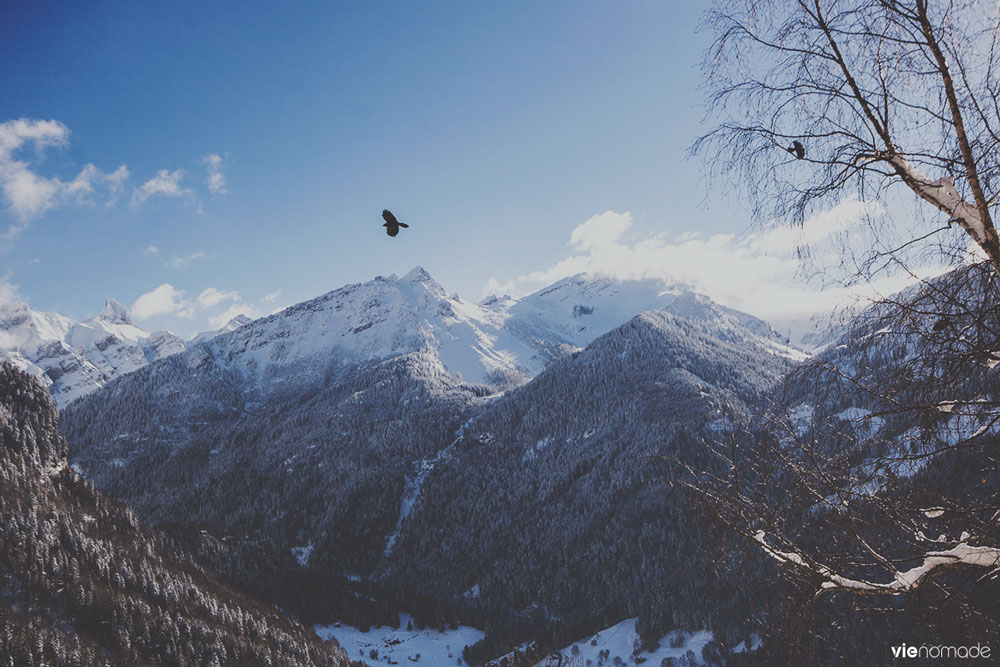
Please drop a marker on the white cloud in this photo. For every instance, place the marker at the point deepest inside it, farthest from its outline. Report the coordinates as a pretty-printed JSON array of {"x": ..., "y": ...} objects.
[
  {"x": 8, "y": 290},
  {"x": 181, "y": 262},
  {"x": 165, "y": 184},
  {"x": 150, "y": 250},
  {"x": 215, "y": 180},
  {"x": 164, "y": 300},
  {"x": 40, "y": 133},
  {"x": 28, "y": 194},
  {"x": 600, "y": 230},
  {"x": 116, "y": 179},
  {"x": 214, "y": 305},
  {"x": 785, "y": 239},
  {"x": 758, "y": 273},
  {"x": 268, "y": 298},
  {"x": 247, "y": 309},
  {"x": 212, "y": 297}
]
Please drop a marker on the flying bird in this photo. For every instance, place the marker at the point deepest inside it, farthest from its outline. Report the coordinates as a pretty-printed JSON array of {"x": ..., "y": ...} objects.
[
  {"x": 391, "y": 224},
  {"x": 797, "y": 149}
]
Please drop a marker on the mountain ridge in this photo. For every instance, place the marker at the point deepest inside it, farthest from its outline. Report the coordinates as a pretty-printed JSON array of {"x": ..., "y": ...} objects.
[{"x": 497, "y": 342}]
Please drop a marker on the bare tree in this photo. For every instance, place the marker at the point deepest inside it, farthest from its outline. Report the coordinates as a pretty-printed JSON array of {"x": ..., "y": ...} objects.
[
  {"x": 875, "y": 471},
  {"x": 815, "y": 99}
]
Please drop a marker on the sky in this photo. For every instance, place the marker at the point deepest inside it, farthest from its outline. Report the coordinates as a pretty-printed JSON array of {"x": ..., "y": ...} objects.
[{"x": 195, "y": 161}]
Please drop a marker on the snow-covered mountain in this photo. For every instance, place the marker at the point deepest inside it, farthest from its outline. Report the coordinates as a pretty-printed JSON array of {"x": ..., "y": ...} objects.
[
  {"x": 232, "y": 325},
  {"x": 74, "y": 358},
  {"x": 498, "y": 342},
  {"x": 340, "y": 429},
  {"x": 569, "y": 314},
  {"x": 380, "y": 319}
]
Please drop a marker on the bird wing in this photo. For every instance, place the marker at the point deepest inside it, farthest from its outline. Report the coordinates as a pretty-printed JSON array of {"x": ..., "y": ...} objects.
[{"x": 389, "y": 217}]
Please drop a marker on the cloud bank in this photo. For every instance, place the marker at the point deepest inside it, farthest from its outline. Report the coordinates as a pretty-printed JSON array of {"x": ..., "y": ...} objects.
[
  {"x": 167, "y": 300},
  {"x": 26, "y": 193},
  {"x": 759, "y": 273}
]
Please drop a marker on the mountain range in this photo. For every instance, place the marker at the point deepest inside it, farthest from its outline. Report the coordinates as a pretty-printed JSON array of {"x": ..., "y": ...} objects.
[
  {"x": 74, "y": 358},
  {"x": 499, "y": 341},
  {"x": 386, "y": 433},
  {"x": 531, "y": 466},
  {"x": 524, "y": 466}
]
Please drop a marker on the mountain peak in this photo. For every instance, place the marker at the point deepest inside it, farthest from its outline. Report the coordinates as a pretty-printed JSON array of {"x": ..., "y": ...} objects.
[
  {"x": 418, "y": 275},
  {"x": 115, "y": 313}
]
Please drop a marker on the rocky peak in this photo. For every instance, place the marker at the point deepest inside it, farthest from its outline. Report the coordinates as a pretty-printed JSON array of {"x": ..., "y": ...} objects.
[{"x": 115, "y": 313}]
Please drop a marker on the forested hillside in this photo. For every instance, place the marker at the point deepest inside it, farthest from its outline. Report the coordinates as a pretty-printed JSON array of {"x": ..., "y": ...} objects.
[
  {"x": 545, "y": 511},
  {"x": 556, "y": 512},
  {"x": 85, "y": 583}
]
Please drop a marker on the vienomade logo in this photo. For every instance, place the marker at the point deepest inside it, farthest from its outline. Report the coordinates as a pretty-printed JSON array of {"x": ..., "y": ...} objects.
[{"x": 974, "y": 651}]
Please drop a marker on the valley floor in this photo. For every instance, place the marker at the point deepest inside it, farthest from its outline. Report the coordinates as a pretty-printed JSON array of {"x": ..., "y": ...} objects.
[{"x": 431, "y": 646}]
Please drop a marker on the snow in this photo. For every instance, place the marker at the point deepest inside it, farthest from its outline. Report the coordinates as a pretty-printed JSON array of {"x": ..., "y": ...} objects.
[
  {"x": 961, "y": 554},
  {"x": 621, "y": 640},
  {"x": 232, "y": 325},
  {"x": 75, "y": 358},
  {"x": 755, "y": 643},
  {"x": 411, "y": 491},
  {"x": 402, "y": 646},
  {"x": 574, "y": 311},
  {"x": 853, "y": 414},
  {"x": 800, "y": 417},
  {"x": 499, "y": 342},
  {"x": 302, "y": 554},
  {"x": 903, "y": 582},
  {"x": 943, "y": 194},
  {"x": 866, "y": 425},
  {"x": 786, "y": 351}
]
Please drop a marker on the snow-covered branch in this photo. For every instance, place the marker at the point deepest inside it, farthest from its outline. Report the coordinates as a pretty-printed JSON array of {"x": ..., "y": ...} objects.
[
  {"x": 903, "y": 582},
  {"x": 943, "y": 194}
]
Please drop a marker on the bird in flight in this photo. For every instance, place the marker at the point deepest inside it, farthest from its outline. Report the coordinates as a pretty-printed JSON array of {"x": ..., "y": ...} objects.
[
  {"x": 797, "y": 149},
  {"x": 391, "y": 224}
]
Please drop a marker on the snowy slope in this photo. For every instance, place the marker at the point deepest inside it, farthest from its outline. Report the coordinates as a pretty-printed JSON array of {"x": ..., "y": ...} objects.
[
  {"x": 74, "y": 358},
  {"x": 232, "y": 325},
  {"x": 572, "y": 312},
  {"x": 499, "y": 342},
  {"x": 403, "y": 645},
  {"x": 621, "y": 641},
  {"x": 620, "y": 645},
  {"x": 380, "y": 319}
]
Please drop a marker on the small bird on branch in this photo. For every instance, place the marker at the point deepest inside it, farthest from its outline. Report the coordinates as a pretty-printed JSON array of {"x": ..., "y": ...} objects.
[{"x": 797, "y": 149}]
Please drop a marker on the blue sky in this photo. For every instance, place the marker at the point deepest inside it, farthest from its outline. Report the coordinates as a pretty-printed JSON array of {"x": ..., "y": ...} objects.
[{"x": 242, "y": 152}]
